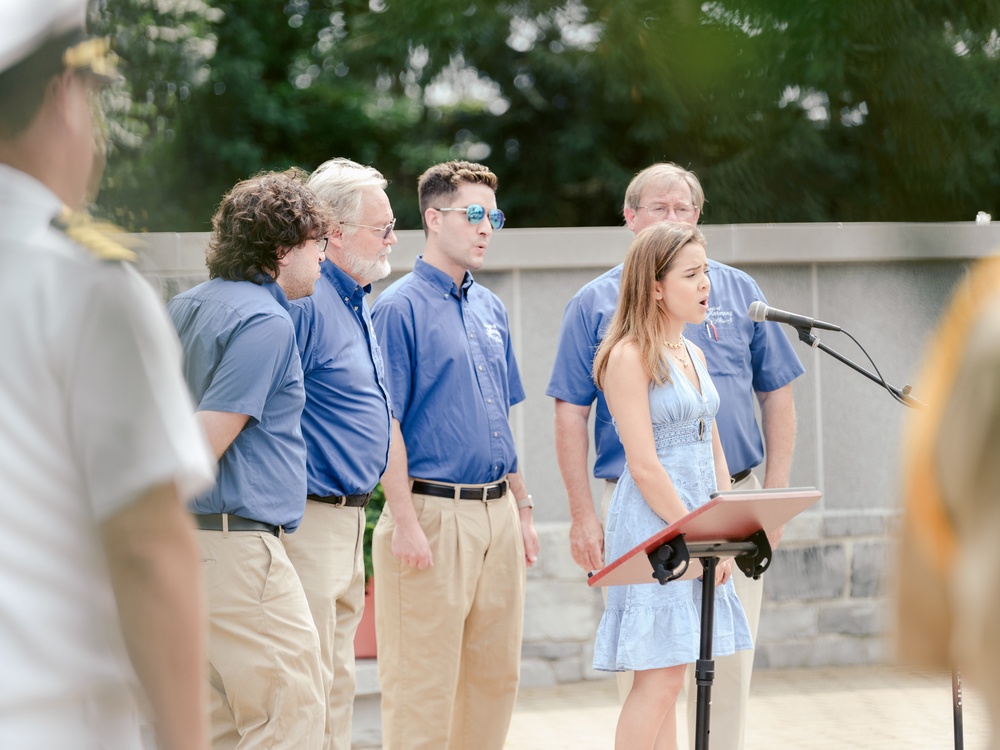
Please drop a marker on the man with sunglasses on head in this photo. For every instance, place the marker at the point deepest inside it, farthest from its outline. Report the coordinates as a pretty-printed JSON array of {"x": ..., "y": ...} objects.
[
  {"x": 346, "y": 422},
  {"x": 243, "y": 369},
  {"x": 100, "y": 589},
  {"x": 747, "y": 361},
  {"x": 452, "y": 544}
]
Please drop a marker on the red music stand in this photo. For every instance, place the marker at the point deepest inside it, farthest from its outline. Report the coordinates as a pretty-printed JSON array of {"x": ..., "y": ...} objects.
[{"x": 731, "y": 524}]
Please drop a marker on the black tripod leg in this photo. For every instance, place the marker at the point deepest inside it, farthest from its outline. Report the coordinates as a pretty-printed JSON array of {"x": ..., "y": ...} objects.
[
  {"x": 956, "y": 694},
  {"x": 704, "y": 670}
]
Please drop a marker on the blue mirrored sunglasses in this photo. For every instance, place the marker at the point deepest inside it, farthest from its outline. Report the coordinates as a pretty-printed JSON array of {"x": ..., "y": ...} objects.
[{"x": 475, "y": 214}]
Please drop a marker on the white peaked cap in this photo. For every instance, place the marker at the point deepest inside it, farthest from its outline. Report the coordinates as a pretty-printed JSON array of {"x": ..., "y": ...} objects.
[{"x": 27, "y": 24}]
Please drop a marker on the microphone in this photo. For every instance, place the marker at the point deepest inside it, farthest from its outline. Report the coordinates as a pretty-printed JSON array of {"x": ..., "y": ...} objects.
[{"x": 760, "y": 312}]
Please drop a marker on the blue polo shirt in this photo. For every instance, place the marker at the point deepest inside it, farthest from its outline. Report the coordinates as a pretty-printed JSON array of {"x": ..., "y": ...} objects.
[
  {"x": 240, "y": 357},
  {"x": 346, "y": 420},
  {"x": 452, "y": 375},
  {"x": 743, "y": 357}
]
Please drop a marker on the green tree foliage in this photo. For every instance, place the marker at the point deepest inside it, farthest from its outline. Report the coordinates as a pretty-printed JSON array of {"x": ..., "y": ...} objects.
[
  {"x": 167, "y": 48},
  {"x": 788, "y": 110}
]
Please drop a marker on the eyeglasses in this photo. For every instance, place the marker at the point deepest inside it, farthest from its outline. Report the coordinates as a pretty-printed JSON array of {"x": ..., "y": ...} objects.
[
  {"x": 322, "y": 242},
  {"x": 476, "y": 213},
  {"x": 386, "y": 230},
  {"x": 683, "y": 211}
]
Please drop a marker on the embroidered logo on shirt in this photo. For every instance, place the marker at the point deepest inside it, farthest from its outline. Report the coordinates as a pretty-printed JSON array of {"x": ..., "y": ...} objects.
[
  {"x": 719, "y": 317},
  {"x": 493, "y": 333}
]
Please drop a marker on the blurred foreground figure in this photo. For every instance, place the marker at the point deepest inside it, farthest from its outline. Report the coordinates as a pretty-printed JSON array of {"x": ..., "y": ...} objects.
[
  {"x": 949, "y": 572},
  {"x": 100, "y": 593}
]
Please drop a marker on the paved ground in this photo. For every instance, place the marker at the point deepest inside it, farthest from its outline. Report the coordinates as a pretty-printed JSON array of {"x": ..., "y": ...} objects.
[{"x": 818, "y": 709}]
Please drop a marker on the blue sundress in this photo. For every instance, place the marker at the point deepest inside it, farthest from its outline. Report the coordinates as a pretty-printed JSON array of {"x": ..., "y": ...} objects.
[{"x": 649, "y": 626}]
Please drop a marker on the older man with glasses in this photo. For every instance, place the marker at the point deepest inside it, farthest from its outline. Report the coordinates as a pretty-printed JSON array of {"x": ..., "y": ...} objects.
[
  {"x": 451, "y": 546},
  {"x": 747, "y": 361},
  {"x": 346, "y": 422}
]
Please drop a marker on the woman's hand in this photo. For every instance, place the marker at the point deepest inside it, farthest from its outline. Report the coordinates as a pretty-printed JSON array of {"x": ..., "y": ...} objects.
[{"x": 723, "y": 571}]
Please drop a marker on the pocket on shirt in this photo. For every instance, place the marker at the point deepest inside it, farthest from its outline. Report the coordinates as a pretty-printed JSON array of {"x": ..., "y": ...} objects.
[{"x": 727, "y": 355}]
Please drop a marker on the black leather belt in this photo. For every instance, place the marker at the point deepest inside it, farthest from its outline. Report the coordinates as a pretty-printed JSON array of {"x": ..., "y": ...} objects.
[
  {"x": 740, "y": 476},
  {"x": 489, "y": 492},
  {"x": 213, "y": 522},
  {"x": 346, "y": 501}
]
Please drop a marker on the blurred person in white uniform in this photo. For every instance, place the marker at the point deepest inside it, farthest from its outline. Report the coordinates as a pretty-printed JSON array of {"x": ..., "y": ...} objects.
[
  {"x": 101, "y": 610},
  {"x": 947, "y": 578}
]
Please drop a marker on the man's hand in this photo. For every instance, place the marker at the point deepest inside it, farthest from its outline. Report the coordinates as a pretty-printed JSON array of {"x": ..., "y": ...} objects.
[
  {"x": 530, "y": 536},
  {"x": 409, "y": 542},
  {"x": 410, "y": 547},
  {"x": 586, "y": 538}
]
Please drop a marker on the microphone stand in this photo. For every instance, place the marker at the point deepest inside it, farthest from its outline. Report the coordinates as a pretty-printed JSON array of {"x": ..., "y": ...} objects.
[{"x": 806, "y": 336}]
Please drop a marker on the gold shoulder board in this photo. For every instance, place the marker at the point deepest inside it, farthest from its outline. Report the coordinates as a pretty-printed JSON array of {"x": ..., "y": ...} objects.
[{"x": 92, "y": 235}]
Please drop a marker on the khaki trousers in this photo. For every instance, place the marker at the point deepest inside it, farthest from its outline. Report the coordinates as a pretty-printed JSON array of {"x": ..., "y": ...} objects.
[
  {"x": 449, "y": 637},
  {"x": 265, "y": 685},
  {"x": 326, "y": 551},
  {"x": 731, "y": 686}
]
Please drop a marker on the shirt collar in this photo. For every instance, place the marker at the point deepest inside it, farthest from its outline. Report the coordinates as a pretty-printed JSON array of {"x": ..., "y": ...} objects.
[
  {"x": 342, "y": 281},
  {"x": 439, "y": 279},
  {"x": 21, "y": 188},
  {"x": 273, "y": 288}
]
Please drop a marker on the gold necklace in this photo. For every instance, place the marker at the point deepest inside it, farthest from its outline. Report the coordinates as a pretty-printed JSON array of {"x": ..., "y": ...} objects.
[{"x": 679, "y": 357}]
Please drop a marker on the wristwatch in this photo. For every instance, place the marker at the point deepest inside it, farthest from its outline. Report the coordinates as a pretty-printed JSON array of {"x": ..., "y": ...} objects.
[{"x": 526, "y": 502}]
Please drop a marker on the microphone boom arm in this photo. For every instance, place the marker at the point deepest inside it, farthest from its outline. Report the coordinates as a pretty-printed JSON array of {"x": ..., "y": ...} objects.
[{"x": 806, "y": 336}]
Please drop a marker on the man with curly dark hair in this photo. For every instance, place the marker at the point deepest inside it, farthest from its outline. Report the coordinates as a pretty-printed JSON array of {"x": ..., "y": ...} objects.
[{"x": 243, "y": 368}]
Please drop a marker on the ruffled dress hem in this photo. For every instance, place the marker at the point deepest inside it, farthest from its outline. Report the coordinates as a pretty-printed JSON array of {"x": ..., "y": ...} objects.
[{"x": 655, "y": 637}]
